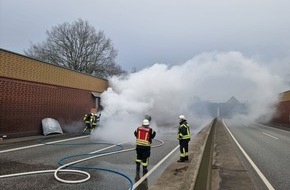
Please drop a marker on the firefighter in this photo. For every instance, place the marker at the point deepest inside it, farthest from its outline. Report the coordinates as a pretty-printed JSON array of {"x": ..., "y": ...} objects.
[
  {"x": 96, "y": 119},
  {"x": 98, "y": 116},
  {"x": 88, "y": 119},
  {"x": 144, "y": 135},
  {"x": 183, "y": 136}
]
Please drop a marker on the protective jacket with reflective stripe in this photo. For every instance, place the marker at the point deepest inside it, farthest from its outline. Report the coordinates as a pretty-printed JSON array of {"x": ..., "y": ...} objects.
[
  {"x": 183, "y": 130},
  {"x": 88, "y": 118},
  {"x": 144, "y": 136}
]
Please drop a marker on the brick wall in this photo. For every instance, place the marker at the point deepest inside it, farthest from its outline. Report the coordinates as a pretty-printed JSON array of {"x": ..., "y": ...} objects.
[
  {"x": 33, "y": 90},
  {"x": 283, "y": 113},
  {"x": 283, "y": 109},
  {"x": 23, "y": 68}
]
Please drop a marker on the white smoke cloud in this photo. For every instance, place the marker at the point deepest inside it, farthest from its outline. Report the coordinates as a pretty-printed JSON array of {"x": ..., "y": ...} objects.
[{"x": 165, "y": 92}]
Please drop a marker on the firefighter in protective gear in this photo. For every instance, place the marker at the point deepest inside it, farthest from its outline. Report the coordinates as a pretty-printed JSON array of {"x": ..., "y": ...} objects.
[
  {"x": 144, "y": 135},
  {"x": 96, "y": 120},
  {"x": 183, "y": 136},
  {"x": 88, "y": 119}
]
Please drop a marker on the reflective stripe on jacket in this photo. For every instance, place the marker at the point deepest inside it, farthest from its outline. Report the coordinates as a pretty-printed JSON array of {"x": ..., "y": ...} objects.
[
  {"x": 183, "y": 131},
  {"x": 88, "y": 118}
]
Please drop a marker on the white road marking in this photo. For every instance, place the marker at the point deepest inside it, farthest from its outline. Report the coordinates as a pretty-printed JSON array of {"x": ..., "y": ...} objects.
[
  {"x": 37, "y": 145},
  {"x": 270, "y": 135},
  {"x": 107, "y": 148},
  {"x": 267, "y": 183},
  {"x": 103, "y": 149},
  {"x": 274, "y": 128},
  {"x": 154, "y": 168}
]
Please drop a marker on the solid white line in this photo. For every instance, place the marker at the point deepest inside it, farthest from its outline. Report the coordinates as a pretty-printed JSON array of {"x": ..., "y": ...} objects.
[
  {"x": 267, "y": 183},
  {"x": 154, "y": 168},
  {"x": 103, "y": 149},
  {"x": 36, "y": 145},
  {"x": 270, "y": 135},
  {"x": 107, "y": 148}
]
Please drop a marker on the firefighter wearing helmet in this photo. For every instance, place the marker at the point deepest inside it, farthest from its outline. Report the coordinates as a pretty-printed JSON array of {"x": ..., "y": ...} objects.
[
  {"x": 183, "y": 136},
  {"x": 88, "y": 119},
  {"x": 144, "y": 135}
]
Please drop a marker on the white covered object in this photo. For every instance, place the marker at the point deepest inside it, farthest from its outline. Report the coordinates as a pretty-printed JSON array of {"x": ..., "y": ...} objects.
[{"x": 50, "y": 125}]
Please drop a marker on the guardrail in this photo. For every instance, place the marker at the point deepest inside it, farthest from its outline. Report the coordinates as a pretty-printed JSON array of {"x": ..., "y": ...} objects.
[
  {"x": 198, "y": 175},
  {"x": 195, "y": 175},
  {"x": 203, "y": 178}
]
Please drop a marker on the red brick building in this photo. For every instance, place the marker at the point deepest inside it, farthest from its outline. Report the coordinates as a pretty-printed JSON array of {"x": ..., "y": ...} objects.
[
  {"x": 283, "y": 109},
  {"x": 31, "y": 90}
]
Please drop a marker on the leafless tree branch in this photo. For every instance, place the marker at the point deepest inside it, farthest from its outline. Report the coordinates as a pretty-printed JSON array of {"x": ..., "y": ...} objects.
[{"x": 79, "y": 47}]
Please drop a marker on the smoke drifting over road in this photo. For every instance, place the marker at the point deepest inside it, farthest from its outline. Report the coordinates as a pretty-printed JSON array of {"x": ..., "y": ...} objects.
[{"x": 165, "y": 92}]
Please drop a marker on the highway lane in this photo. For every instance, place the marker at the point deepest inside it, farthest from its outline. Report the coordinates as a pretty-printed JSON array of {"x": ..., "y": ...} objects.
[
  {"x": 269, "y": 148},
  {"x": 45, "y": 157}
]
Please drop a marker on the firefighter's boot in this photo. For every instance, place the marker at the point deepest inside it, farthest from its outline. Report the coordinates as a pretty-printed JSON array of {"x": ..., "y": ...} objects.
[
  {"x": 181, "y": 159},
  {"x": 137, "y": 177},
  {"x": 137, "y": 167},
  {"x": 145, "y": 170}
]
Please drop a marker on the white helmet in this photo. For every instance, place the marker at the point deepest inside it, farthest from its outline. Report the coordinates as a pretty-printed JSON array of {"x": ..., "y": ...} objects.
[
  {"x": 182, "y": 117},
  {"x": 145, "y": 122}
]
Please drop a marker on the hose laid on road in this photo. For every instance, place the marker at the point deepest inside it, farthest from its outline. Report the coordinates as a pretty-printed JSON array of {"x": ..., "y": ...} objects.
[
  {"x": 97, "y": 168},
  {"x": 95, "y": 155}
]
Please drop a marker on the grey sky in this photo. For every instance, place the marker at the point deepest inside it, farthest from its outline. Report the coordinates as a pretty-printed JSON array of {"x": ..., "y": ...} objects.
[{"x": 146, "y": 32}]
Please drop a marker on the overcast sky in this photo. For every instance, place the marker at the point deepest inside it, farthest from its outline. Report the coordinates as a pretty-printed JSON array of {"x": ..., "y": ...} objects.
[
  {"x": 183, "y": 50},
  {"x": 146, "y": 32}
]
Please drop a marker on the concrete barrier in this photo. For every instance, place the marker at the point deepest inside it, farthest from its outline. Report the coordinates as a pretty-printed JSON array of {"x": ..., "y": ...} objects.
[
  {"x": 195, "y": 174},
  {"x": 203, "y": 178}
]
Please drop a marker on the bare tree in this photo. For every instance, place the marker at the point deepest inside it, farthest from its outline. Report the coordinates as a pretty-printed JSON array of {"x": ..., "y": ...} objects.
[{"x": 79, "y": 47}]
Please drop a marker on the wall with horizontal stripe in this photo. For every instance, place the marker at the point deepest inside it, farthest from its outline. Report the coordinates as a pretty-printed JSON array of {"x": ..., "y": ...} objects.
[{"x": 32, "y": 90}]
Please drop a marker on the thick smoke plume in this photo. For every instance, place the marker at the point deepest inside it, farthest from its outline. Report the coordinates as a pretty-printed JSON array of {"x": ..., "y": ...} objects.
[{"x": 165, "y": 92}]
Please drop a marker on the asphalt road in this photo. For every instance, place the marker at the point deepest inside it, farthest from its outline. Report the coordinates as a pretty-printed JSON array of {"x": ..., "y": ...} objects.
[
  {"x": 269, "y": 149},
  {"x": 107, "y": 172}
]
